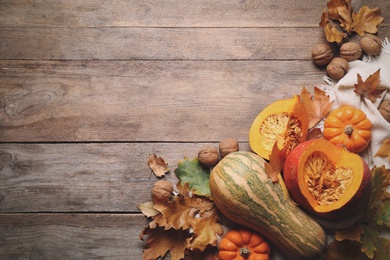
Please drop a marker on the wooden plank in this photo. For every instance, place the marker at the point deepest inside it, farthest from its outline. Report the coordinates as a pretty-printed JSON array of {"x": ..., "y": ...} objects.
[
  {"x": 158, "y": 43},
  {"x": 142, "y": 100},
  {"x": 71, "y": 236},
  {"x": 84, "y": 177},
  {"x": 184, "y": 13}
]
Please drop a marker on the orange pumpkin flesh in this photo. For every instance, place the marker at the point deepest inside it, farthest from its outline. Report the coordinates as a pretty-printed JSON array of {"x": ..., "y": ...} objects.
[
  {"x": 348, "y": 126},
  {"x": 284, "y": 121},
  {"x": 327, "y": 180},
  {"x": 243, "y": 244}
]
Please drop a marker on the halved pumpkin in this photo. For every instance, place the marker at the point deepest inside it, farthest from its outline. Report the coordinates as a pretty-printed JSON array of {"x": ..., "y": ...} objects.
[
  {"x": 327, "y": 180},
  {"x": 284, "y": 121}
]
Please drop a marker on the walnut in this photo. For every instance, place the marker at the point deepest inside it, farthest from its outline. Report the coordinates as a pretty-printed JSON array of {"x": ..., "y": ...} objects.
[
  {"x": 321, "y": 54},
  {"x": 371, "y": 44},
  {"x": 227, "y": 146},
  {"x": 350, "y": 51},
  {"x": 208, "y": 156},
  {"x": 384, "y": 109},
  {"x": 162, "y": 190},
  {"x": 337, "y": 68}
]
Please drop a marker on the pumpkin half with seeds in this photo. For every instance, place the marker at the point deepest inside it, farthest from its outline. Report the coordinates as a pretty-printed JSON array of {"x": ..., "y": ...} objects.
[
  {"x": 327, "y": 180},
  {"x": 284, "y": 121}
]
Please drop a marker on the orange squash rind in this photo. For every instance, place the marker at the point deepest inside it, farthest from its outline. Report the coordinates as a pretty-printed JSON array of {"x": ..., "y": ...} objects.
[{"x": 284, "y": 121}]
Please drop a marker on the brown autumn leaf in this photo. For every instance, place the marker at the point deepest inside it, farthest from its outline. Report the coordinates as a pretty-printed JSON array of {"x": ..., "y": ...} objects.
[
  {"x": 367, "y": 20},
  {"x": 384, "y": 149},
  {"x": 341, "y": 10},
  {"x": 160, "y": 241},
  {"x": 314, "y": 133},
  {"x": 339, "y": 20},
  {"x": 147, "y": 208},
  {"x": 346, "y": 249},
  {"x": 276, "y": 162},
  {"x": 206, "y": 227},
  {"x": 210, "y": 253},
  {"x": 369, "y": 88},
  {"x": 317, "y": 106},
  {"x": 158, "y": 165}
]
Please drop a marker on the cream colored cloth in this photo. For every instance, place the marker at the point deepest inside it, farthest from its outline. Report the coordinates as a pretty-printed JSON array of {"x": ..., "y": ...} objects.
[{"x": 343, "y": 93}]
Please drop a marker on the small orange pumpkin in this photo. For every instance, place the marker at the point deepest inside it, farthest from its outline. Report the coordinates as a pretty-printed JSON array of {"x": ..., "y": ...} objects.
[
  {"x": 348, "y": 126},
  {"x": 243, "y": 244}
]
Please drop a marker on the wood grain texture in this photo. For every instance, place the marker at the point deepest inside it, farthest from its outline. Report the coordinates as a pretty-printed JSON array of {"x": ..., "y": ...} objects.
[
  {"x": 88, "y": 89},
  {"x": 169, "y": 13},
  {"x": 71, "y": 236},
  {"x": 84, "y": 177},
  {"x": 142, "y": 100},
  {"x": 158, "y": 43}
]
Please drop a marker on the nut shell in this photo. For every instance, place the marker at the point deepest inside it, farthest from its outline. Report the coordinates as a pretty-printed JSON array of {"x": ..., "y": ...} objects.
[
  {"x": 208, "y": 156},
  {"x": 227, "y": 146},
  {"x": 321, "y": 54},
  {"x": 371, "y": 44},
  {"x": 162, "y": 190},
  {"x": 350, "y": 51},
  {"x": 337, "y": 68},
  {"x": 384, "y": 109}
]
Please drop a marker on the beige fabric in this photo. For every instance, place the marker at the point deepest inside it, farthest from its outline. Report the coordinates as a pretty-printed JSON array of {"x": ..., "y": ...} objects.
[{"x": 343, "y": 94}]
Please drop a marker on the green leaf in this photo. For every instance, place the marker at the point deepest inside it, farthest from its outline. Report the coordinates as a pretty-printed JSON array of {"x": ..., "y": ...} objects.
[
  {"x": 370, "y": 241},
  {"x": 191, "y": 172},
  {"x": 375, "y": 245},
  {"x": 382, "y": 213}
]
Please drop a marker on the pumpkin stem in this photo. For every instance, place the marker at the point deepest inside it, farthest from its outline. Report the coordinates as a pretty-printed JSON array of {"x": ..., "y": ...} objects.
[
  {"x": 348, "y": 129},
  {"x": 245, "y": 252}
]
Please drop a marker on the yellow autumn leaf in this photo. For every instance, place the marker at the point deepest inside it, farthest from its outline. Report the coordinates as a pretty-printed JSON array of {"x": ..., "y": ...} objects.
[
  {"x": 158, "y": 165},
  {"x": 366, "y": 20},
  {"x": 317, "y": 106},
  {"x": 384, "y": 150}
]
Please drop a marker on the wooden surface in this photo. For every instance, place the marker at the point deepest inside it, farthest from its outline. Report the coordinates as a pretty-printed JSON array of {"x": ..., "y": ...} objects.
[{"x": 88, "y": 89}]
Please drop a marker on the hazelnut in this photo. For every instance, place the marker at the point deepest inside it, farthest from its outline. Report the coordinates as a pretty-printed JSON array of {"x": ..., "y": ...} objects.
[
  {"x": 384, "y": 109},
  {"x": 350, "y": 51},
  {"x": 227, "y": 146},
  {"x": 321, "y": 54},
  {"x": 162, "y": 190},
  {"x": 371, "y": 44},
  {"x": 208, "y": 156},
  {"x": 337, "y": 68}
]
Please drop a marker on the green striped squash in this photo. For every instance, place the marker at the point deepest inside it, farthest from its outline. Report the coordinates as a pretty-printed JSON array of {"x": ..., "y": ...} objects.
[{"x": 243, "y": 192}]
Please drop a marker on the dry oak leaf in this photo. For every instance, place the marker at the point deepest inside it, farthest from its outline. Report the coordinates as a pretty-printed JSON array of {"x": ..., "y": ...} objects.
[
  {"x": 160, "y": 241},
  {"x": 369, "y": 88},
  {"x": 341, "y": 10},
  {"x": 331, "y": 32},
  {"x": 317, "y": 106},
  {"x": 147, "y": 208},
  {"x": 179, "y": 212},
  {"x": 206, "y": 227},
  {"x": 367, "y": 20},
  {"x": 158, "y": 165},
  {"x": 384, "y": 149}
]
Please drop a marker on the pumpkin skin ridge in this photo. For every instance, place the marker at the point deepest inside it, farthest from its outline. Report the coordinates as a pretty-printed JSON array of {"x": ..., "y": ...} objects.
[
  {"x": 350, "y": 203},
  {"x": 293, "y": 239},
  {"x": 344, "y": 116}
]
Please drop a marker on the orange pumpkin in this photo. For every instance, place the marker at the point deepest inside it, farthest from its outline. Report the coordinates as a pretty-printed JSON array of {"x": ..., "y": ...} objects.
[
  {"x": 327, "y": 180},
  {"x": 348, "y": 126},
  {"x": 284, "y": 121},
  {"x": 243, "y": 244}
]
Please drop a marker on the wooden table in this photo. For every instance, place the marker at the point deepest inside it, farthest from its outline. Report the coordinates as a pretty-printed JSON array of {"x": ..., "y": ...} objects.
[{"x": 88, "y": 89}]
